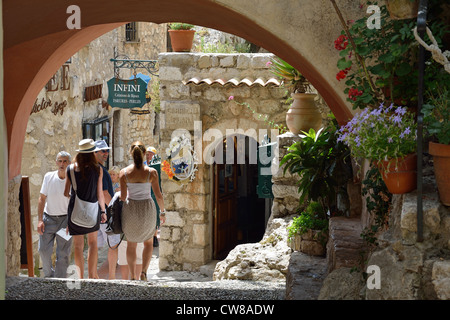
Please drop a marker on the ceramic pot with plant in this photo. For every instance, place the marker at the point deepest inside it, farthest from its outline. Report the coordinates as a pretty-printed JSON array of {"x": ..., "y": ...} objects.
[
  {"x": 303, "y": 113},
  {"x": 181, "y": 36},
  {"x": 437, "y": 123},
  {"x": 386, "y": 136}
]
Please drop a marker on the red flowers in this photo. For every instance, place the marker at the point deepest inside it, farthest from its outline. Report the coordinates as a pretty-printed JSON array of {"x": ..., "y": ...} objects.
[
  {"x": 341, "y": 42},
  {"x": 353, "y": 93},
  {"x": 342, "y": 74}
]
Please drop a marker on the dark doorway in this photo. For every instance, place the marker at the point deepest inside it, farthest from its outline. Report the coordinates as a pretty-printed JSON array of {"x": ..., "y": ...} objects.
[{"x": 238, "y": 212}]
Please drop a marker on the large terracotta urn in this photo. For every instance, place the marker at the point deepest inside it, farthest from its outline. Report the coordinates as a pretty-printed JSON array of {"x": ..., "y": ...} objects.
[
  {"x": 441, "y": 161},
  {"x": 303, "y": 114}
]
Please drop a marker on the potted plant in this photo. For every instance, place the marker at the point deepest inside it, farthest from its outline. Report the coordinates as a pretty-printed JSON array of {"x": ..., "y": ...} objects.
[
  {"x": 303, "y": 113},
  {"x": 387, "y": 137},
  {"x": 308, "y": 232},
  {"x": 181, "y": 36},
  {"x": 323, "y": 166},
  {"x": 437, "y": 123}
]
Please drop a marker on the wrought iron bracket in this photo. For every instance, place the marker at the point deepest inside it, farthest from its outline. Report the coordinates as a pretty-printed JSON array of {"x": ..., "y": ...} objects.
[{"x": 150, "y": 65}]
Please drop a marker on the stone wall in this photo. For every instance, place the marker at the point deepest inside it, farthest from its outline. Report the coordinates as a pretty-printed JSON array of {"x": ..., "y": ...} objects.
[
  {"x": 50, "y": 130},
  {"x": 408, "y": 269},
  {"x": 187, "y": 235}
]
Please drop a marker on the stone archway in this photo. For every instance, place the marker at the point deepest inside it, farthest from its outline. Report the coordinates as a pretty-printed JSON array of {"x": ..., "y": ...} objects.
[{"x": 37, "y": 42}]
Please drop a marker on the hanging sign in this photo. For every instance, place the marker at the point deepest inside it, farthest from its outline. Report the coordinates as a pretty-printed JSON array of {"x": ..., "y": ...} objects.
[{"x": 126, "y": 93}]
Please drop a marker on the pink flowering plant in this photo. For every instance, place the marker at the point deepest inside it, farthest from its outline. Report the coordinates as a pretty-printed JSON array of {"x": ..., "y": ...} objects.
[{"x": 380, "y": 134}]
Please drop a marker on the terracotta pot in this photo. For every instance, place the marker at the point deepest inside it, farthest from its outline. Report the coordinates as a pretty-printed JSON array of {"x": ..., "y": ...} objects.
[
  {"x": 400, "y": 175},
  {"x": 441, "y": 159},
  {"x": 402, "y": 9},
  {"x": 181, "y": 40},
  {"x": 303, "y": 114}
]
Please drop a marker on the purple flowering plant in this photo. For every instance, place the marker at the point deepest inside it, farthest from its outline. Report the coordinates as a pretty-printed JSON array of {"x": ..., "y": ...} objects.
[{"x": 380, "y": 134}]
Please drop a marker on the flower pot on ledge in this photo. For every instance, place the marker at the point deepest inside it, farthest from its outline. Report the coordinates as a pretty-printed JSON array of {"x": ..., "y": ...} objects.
[
  {"x": 441, "y": 160},
  {"x": 400, "y": 175},
  {"x": 181, "y": 40}
]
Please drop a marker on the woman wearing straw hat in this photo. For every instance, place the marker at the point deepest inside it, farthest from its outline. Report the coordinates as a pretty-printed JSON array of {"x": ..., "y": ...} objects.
[{"x": 88, "y": 178}]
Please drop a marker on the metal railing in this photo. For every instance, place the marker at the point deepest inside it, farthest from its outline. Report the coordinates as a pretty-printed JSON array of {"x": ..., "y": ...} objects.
[{"x": 421, "y": 28}]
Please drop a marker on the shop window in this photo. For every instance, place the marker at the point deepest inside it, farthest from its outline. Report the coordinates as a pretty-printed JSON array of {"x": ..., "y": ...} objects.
[{"x": 97, "y": 129}]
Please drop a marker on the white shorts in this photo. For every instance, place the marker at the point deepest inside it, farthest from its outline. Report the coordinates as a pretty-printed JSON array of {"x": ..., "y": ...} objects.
[
  {"x": 123, "y": 253},
  {"x": 103, "y": 238}
]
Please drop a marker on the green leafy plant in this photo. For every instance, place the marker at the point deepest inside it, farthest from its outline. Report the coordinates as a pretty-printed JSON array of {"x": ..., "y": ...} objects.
[
  {"x": 379, "y": 64},
  {"x": 180, "y": 26},
  {"x": 378, "y": 200},
  {"x": 322, "y": 164},
  {"x": 292, "y": 77},
  {"x": 437, "y": 114},
  {"x": 153, "y": 94},
  {"x": 313, "y": 218},
  {"x": 381, "y": 134},
  {"x": 219, "y": 47}
]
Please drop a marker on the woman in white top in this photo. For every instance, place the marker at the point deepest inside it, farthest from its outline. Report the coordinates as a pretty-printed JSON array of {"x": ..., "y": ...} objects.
[{"x": 139, "y": 210}]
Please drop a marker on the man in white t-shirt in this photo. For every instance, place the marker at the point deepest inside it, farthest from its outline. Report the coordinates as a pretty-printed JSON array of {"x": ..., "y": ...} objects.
[{"x": 52, "y": 217}]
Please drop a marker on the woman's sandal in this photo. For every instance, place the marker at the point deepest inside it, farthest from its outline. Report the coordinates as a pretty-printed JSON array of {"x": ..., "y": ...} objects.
[{"x": 143, "y": 276}]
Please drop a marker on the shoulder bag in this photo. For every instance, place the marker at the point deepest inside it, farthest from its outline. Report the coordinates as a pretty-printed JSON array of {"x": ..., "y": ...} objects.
[{"x": 85, "y": 213}]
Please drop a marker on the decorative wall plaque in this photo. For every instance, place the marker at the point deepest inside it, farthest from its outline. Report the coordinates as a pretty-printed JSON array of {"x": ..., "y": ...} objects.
[{"x": 181, "y": 163}]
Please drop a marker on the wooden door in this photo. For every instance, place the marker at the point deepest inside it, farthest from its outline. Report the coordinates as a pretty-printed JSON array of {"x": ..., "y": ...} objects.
[{"x": 225, "y": 213}]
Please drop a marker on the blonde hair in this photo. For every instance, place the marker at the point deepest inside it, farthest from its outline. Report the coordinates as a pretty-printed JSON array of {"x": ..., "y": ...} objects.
[
  {"x": 114, "y": 169},
  {"x": 137, "y": 151}
]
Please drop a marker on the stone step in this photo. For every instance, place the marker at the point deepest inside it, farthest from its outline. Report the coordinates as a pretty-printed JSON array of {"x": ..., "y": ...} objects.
[
  {"x": 345, "y": 244},
  {"x": 305, "y": 276}
]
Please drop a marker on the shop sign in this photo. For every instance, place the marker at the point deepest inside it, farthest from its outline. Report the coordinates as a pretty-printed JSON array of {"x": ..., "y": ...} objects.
[
  {"x": 57, "y": 107},
  {"x": 126, "y": 93}
]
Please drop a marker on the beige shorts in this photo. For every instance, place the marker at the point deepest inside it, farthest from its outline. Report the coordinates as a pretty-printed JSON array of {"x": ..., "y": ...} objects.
[{"x": 122, "y": 260}]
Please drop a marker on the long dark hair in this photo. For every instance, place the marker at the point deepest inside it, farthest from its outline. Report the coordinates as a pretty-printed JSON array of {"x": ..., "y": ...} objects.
[
  {"x": 137, "y": 151},
  {"x": 85, "y": 161}
]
